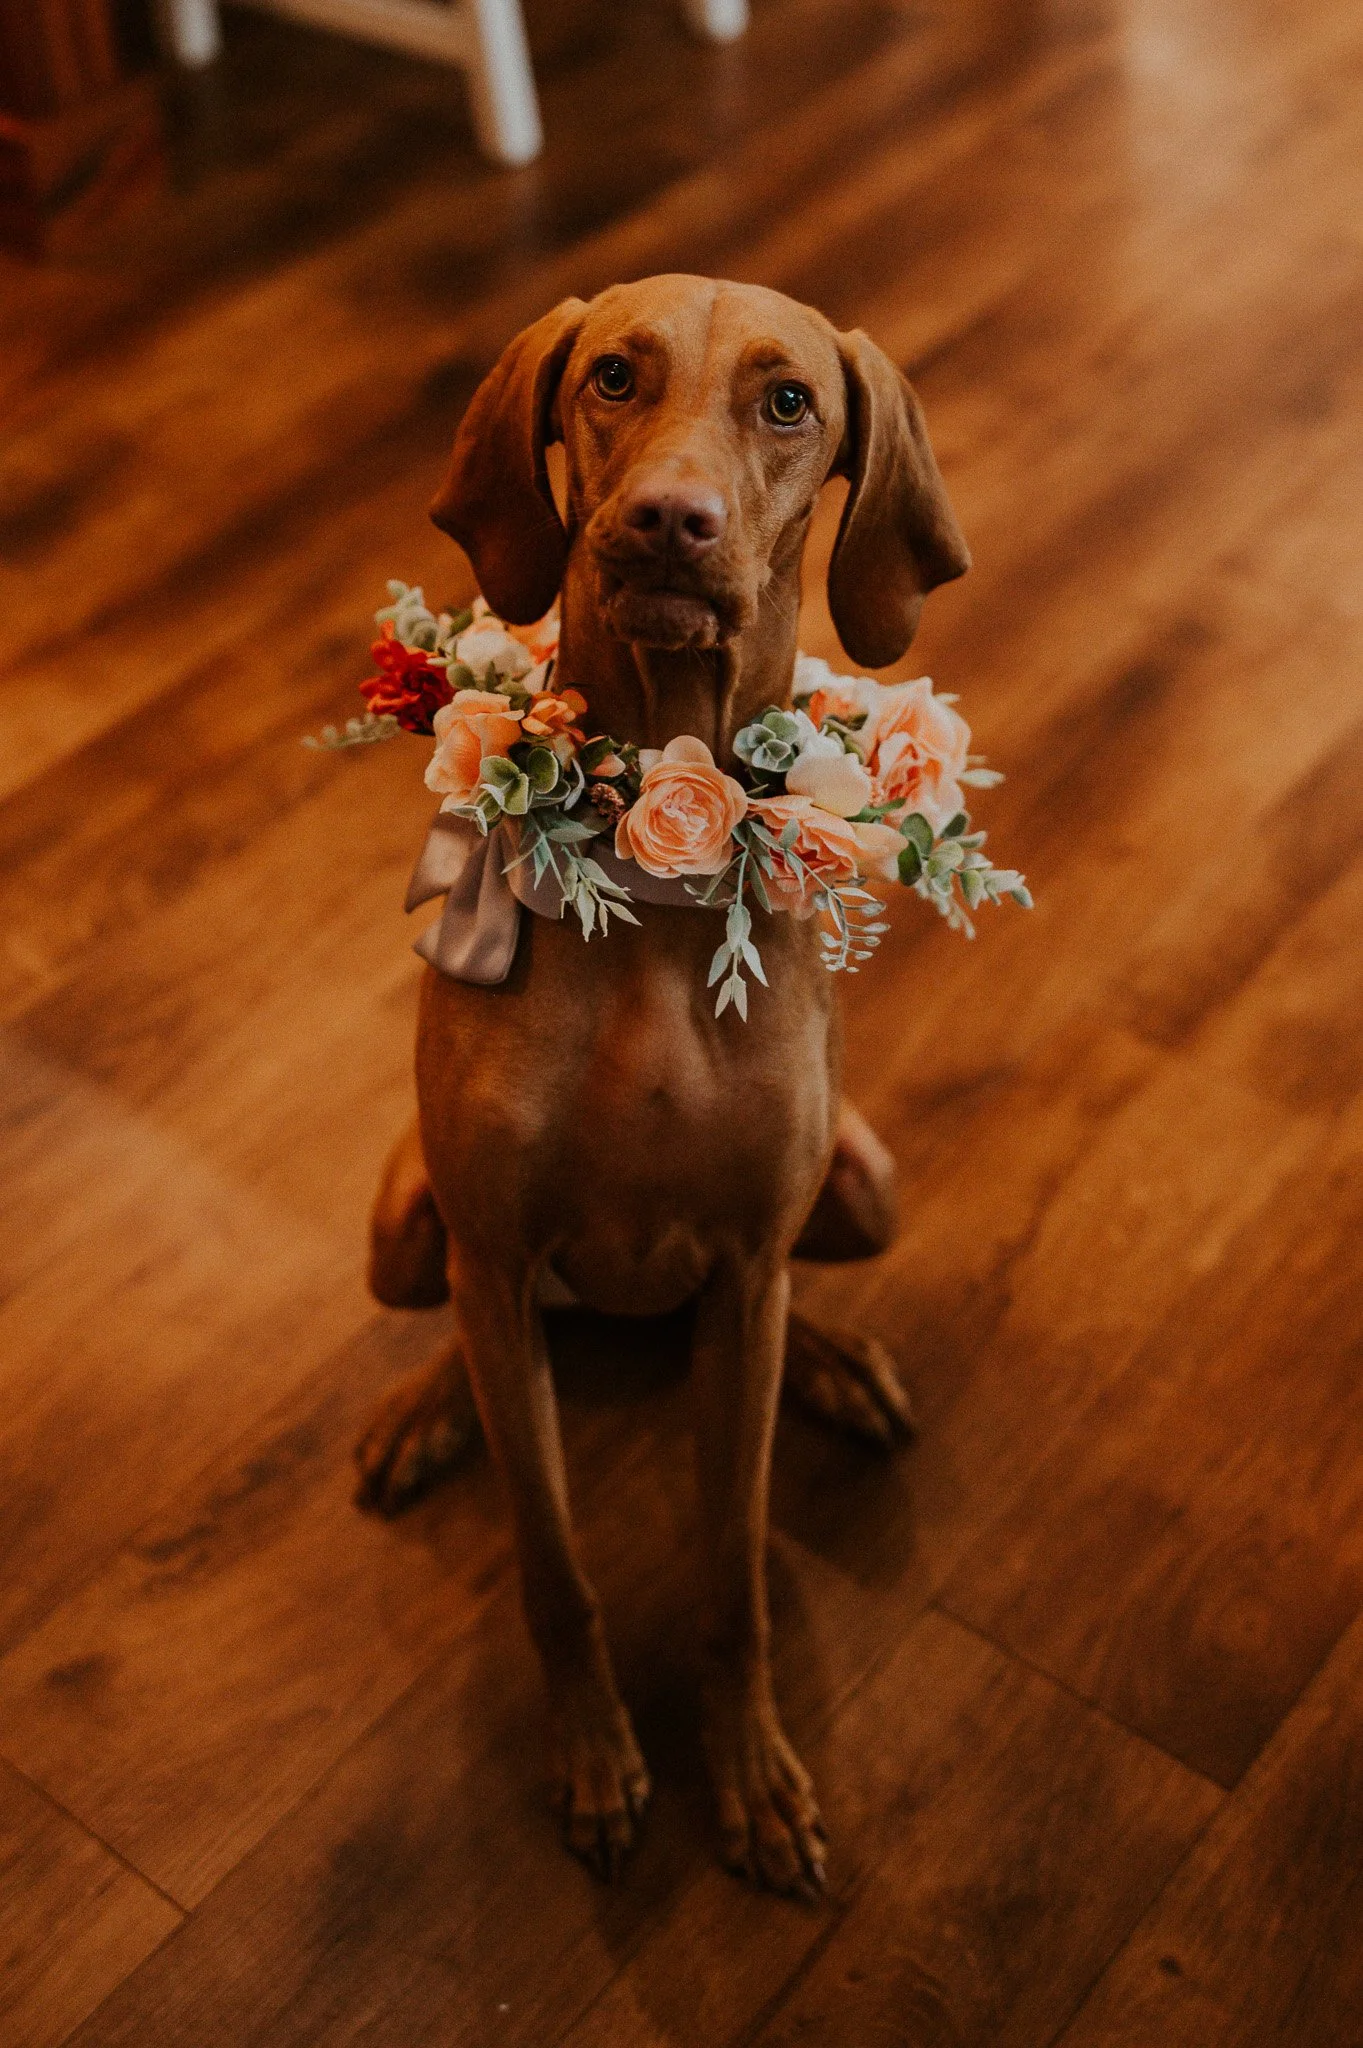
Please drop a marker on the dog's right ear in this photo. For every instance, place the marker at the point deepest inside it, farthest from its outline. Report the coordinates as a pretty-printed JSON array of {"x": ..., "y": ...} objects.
[{"x": 496, "y": 499}]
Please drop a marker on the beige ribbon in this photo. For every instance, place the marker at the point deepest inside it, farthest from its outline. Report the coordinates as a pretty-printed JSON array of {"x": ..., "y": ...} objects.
[{"x": 485, "y": 888}]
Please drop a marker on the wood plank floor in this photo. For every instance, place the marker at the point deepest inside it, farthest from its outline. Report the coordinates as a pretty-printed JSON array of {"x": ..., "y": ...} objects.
[{"x": 1080, "y": 1675}]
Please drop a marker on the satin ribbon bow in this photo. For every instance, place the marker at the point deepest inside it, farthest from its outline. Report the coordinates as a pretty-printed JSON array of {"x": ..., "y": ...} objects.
[{"x": 485, "y": 889}]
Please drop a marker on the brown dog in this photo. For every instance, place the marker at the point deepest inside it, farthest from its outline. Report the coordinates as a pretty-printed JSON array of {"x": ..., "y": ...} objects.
[{"x": 590, "y": 1122}]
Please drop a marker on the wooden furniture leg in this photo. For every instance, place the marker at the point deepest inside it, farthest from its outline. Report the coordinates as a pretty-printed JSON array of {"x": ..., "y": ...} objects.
[
  {"x": 718, "y": 21},
  {"x": 189, "y": 31},
  {"x": 484, "y": 38}
]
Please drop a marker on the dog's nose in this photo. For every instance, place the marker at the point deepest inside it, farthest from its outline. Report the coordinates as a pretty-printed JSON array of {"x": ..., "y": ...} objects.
[{"x": 674, "y": 517}]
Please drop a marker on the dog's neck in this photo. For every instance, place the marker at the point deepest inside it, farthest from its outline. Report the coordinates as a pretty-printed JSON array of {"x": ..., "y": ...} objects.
[{"x": 651, "y": 695}]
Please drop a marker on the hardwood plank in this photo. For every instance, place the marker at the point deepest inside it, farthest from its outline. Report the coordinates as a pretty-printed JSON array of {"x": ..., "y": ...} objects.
[
  {"x": 1255, "y": 1943},
  {"x": 74, "y": 1921},
  {"x": 994, "y": 1858},
  {"x": 1190, "y": 1561},
  {"x": 100, "y": 1421},
  {"x": 258, "y": 1625},
  {"x": 368, "y": 1917}
]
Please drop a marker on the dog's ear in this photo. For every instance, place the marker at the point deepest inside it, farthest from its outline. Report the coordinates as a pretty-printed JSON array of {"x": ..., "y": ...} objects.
[
  {"x": 898, "y": 538},
  {"x": 496, "y": 499}
]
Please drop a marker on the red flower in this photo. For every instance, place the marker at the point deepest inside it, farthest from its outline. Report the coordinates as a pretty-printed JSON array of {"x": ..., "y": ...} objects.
[{"x": 409, "y": 685}]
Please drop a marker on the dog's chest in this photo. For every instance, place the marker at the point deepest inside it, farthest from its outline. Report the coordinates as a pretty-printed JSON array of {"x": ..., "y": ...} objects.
[{"x": 684, "y": 1116}]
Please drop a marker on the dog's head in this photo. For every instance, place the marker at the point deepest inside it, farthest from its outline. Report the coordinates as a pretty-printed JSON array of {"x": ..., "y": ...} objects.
[{"x": 699, "y": 421}]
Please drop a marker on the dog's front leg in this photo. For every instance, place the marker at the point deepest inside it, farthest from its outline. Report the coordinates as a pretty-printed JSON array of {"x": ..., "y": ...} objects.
[
  {"x": 600, "y": 1781},
  {"x": 768, "y": 1815}
]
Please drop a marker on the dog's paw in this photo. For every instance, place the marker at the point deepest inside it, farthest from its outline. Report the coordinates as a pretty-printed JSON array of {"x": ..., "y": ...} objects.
[
  {"x": 771, "y": 1831},
  {"x": 423, "y": 1427},
  {"x": 600, "y": 1787},
  {"x": 848, "y": 1381}
]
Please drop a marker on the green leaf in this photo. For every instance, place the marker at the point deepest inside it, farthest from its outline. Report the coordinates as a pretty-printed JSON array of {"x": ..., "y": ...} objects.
[
  {"x": 595, "y": 752},
  {"x": 918, "y": 832},
  {"x": 541, "y": 766},
  {"x": 910, "y": 866},
  {"x": 957, "y": 825}
]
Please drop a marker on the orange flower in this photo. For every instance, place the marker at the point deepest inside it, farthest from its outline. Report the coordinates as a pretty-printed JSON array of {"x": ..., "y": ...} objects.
[
  {"x": 553, "y": 713},
  {"x": 474, "y": 725},
  {"x": 825, "y": 843},
  {"x": 830, "y": 849},
  {"x": 683, "y": 819},
  {"x": 829, "y": 695},
  {"x": 918, "y": 749}
]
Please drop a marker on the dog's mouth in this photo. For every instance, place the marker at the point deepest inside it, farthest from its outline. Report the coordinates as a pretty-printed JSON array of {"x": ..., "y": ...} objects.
[
  {"x": 662, "y": 617},
  {"x": 668, "y": 610}
]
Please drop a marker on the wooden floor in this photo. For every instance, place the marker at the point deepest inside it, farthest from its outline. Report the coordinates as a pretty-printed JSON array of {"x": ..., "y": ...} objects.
[{"x": 1081, "y": 1676}]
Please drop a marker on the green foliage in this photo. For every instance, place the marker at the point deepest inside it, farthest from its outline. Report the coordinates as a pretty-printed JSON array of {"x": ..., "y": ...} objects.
[
  {"x": 416, "y": 625},
  {"x": 951, "y": 871},
  {"x": 550, "y": 841},
  {"x": 771, "y": 744},
  {"x": 357, "y": 732}
]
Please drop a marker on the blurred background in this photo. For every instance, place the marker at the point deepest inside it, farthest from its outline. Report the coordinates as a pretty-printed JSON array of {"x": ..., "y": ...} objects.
[{"x": 1079, "y": 1674}]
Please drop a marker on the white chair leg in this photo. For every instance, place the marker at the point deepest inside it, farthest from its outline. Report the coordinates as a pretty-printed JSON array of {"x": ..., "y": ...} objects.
[
  {"x": 506, "y": 114},
  {"x": 188, "y": 31},
  {"x": 719, "y": 21}
]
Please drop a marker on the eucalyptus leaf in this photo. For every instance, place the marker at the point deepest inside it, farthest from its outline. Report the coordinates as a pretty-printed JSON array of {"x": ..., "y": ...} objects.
[{"x": 918, "y": 832}]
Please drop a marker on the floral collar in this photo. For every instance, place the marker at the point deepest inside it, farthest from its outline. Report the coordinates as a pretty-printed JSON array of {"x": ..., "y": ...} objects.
[{"x": 859, "y": 781}]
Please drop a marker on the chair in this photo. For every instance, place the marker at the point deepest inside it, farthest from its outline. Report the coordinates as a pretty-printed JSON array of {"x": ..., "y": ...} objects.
[{"x": 484, "y": 38}]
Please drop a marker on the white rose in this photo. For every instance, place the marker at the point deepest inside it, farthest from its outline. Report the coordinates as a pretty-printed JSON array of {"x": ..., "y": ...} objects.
[
  {"x": 485, "y": 646},
  {"x": 811, "y": 674},
  {"x": 830, "y": 778}
]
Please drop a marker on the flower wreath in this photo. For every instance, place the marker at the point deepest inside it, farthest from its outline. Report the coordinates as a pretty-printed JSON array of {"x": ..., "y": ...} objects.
[{"x": 860, "y": 780}]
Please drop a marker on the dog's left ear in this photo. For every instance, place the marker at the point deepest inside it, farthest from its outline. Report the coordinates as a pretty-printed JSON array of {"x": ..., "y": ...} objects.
[
  {"x": 898, "y": 538},
  {"x": 496, "y": 499}
]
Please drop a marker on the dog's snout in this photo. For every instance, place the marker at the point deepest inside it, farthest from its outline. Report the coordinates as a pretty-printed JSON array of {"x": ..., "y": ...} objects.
[{"x": 671, "y": 516}]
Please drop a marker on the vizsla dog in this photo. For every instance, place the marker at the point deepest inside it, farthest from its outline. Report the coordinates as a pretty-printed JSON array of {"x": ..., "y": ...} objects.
[{"x": 590, "y": 1125}]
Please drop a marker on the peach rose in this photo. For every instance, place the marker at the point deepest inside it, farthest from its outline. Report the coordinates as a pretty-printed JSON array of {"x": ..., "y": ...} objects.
[
  {"x": 473, "y": 725},
  {"x": 917, "y": 748},
  {"x": 825, "y": 694},
  {"x": 683, "y": 818},
  {"x": 832, "y": 849},
  {"x": 541, "y": 639}
]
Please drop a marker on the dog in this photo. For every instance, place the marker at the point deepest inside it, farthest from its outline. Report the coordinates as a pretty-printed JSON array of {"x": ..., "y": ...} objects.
[{"x": 590, "y": 1124}]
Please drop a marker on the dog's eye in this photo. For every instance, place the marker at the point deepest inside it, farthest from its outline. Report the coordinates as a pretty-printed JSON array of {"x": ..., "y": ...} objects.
[
  {"x": 613, "y": 378},
  {"x": 786, "y": 404}
]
